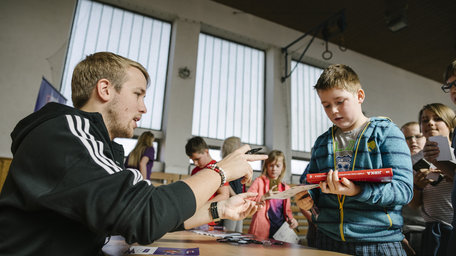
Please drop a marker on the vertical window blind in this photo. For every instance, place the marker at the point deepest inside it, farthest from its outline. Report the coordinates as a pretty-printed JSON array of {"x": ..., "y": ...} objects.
[
  {"x": 308, "y": 118},
  {"x": 229, "y": 91},
  {"x": 99, "y": 27}
]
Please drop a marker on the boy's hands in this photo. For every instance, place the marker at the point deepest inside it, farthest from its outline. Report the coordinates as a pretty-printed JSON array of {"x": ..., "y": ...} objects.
[
  {"x": 304, "y": 201},
  {"x": 236, "y": 164},
  {"x": 333, "y": 185}
]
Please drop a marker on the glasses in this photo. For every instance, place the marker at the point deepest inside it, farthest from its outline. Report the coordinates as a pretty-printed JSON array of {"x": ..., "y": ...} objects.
[
  {"x": 446, "y": 87},
  {"x": 416, "y": 137}
]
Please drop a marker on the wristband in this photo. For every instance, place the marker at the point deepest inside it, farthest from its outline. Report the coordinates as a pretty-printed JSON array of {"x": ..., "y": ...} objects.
[
  {"x": 214, "y": 212},
  {"x": 219, "y": 171}
]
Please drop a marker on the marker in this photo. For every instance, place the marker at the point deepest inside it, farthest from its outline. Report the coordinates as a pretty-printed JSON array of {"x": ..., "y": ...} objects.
[{"x": 253, "y": 151}]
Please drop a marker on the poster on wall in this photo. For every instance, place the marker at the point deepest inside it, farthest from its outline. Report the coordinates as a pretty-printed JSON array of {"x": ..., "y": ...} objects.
[{"x": 48, "y": 93}]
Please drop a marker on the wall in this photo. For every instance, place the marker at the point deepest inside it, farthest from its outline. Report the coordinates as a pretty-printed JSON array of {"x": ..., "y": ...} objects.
[
  {"x": 35, "y": 36},
  {"x": 34, "y": 40}
]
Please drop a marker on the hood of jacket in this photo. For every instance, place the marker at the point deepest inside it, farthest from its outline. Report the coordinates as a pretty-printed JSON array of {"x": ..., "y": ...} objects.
[{"x": 49, "y": 111}]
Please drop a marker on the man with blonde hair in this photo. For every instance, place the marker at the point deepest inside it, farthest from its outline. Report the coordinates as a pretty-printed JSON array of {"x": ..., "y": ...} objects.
[{"x": 67, "y": 189}]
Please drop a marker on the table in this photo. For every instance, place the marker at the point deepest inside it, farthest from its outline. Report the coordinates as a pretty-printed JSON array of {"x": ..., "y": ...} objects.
[{"x": 208, "y": 245}]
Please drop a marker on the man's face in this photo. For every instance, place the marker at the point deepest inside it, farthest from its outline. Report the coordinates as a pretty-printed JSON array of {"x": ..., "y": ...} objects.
[
  {"x": 342, "y": 107},
  {"x": 201, "y": 159},
  {"x": 415, "y": 139},
  {"x": 452, "y": 89},
  {"x": 127, "y": 106}
]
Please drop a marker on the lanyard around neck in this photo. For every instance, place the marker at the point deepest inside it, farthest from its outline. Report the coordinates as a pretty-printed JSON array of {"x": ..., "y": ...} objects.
[{"x": 341, "y": 199}]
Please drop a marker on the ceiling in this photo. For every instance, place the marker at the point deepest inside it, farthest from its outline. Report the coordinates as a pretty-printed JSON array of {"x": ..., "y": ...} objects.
[{"x": 425, "y": 47}]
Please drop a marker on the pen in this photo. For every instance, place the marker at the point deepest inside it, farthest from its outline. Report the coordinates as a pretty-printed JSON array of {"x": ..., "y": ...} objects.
[{"x": 253, "y": 151}]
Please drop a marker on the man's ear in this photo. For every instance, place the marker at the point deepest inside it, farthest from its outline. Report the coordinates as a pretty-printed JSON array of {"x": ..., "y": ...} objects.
[
  {"x": 361, "y": 96},
  {"x": 103, "y": 89}
]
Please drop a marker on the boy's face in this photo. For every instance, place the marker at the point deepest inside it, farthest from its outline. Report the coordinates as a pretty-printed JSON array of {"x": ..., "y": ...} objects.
[
  {"x": 343, "y": 108},
  {"x": 201, "y": 159},
  {"x": 415, "y": 139},
  {"x": 452, "y": 89}
]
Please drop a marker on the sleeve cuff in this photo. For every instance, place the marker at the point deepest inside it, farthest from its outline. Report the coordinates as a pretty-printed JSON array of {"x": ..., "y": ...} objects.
[{"x": 363, "y": 196}]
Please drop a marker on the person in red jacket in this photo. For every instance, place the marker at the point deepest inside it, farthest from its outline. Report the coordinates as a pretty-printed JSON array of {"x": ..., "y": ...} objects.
[{"x": 268, "y": 219}]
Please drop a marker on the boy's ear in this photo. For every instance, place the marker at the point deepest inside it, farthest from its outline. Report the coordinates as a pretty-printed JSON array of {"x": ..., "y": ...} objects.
[
  {"x": 103, "y": 89},
  {"x": 361, "y": 96}
]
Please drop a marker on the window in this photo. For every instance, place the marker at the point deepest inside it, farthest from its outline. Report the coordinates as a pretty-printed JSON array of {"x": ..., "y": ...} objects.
[
  {"x": 298, "y": 166},
  {"x": 229, "y": 91},
  {"x": 130, "y": 143},
  {"x": 99, "y": 27},
  {"x": 308, "y": 118}
]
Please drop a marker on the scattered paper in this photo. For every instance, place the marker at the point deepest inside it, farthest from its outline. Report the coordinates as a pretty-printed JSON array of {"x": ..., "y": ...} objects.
[
  {"x": 417, "y": 157},
  {"x": 161, "y": 251},
  {"x": 444, "y": 147},
  {"x": 286, "y": 234},
  {"x": 216, "y": 233},
  {"x": 291, "y": 192}
]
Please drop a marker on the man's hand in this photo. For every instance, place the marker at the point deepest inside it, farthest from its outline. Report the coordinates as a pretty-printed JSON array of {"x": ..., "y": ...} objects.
[
  {"x": 271, "y": 192},
  {"x": 333, "y": 185},
  {"x": 304, "y": 201},
  {"x": 236, "y": 164},
  {"x": 238, "y": 207}
]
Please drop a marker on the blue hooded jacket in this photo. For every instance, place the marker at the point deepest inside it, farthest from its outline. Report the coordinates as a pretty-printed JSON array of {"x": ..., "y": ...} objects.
[{"x": 374, "y": 215}]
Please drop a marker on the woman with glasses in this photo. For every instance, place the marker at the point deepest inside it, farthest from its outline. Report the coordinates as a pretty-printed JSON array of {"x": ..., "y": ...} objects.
[{"x": 432, "y": 189}]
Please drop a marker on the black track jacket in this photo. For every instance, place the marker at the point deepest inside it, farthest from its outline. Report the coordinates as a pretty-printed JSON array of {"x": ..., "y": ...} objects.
[{"x": 67, "y": 189}]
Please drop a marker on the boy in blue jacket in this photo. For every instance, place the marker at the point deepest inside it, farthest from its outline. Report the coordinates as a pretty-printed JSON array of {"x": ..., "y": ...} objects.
[{"x": 353, "y": 217}]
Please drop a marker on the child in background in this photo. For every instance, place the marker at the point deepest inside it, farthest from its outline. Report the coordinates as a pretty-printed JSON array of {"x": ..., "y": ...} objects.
[
  {"x": 413, "y": 221},
  {"x": 434, "y": 194},
  {"x": 268, "y": 219},
  {"x": 198, "y": 151},
  {"x": 229, "y": 145},
  {"x": 142, "y": 156},
  {"x": 357, "y": 218}
]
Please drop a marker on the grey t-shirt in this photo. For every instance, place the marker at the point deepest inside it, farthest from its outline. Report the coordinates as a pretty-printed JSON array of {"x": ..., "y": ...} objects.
[{"x": 345, "y": 147}]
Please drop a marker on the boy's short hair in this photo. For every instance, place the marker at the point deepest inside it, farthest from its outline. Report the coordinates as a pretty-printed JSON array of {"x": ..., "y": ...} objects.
[
  {"x": 338, "y": 76},
  {"x": 450, "y": 71},
  {"x": 409, "y": 124},
  {"x": 195, "y": 145},
  {"x": 97, "y": 66}
]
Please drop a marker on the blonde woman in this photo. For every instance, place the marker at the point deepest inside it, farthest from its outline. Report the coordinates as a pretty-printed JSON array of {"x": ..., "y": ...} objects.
[
  {"x": 434, "y": 194},
  {"x": 142, "y": 156}
]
